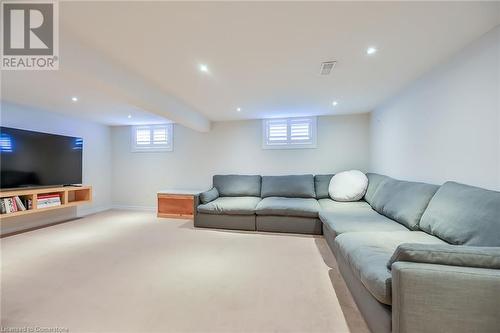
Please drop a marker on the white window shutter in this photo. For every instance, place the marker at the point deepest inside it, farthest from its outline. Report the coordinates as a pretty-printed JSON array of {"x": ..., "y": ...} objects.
[
  {"x": 289, "y": 133},
  {"x": 277, "y": 132},
  {"x": 152, "y": 138},
  {"x": 160, "y": 136},
  {"x": 300, "y": 131},
  {"x": 143, "y": 136}
]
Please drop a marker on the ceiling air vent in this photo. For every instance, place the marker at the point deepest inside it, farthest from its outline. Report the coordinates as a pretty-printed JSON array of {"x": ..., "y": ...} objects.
[{"x": 327, "y": 67}]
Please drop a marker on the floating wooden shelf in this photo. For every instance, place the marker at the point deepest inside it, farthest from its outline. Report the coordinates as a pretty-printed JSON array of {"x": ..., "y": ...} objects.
[{"x": 70, "y": 196}]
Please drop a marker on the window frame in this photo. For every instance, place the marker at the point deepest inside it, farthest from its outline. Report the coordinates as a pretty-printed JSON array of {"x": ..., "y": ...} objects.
[
  {"x": 311, "y": 144},
  {"x": 151, "y": 147}
]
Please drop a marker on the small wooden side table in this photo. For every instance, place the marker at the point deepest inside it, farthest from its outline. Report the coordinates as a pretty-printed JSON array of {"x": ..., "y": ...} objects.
[{"x": 176, "y": 203}]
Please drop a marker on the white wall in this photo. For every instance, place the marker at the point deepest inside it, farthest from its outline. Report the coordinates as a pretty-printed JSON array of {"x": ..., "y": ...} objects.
[
  {"x": 96, "y": 160},
  {"x": 231, "y": 147},
  {"x": 445, "y": 126}
]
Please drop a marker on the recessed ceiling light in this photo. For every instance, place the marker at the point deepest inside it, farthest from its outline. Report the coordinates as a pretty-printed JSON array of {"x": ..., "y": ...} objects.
[
  {"x": 335, "y": 103},
  {"x": 74, "y": 99},
  {"x": 203, "y": 68},
  {"x": 129, "y": 116},
  {"x": 371, "y": 50},
  {"x": 238, "y": 109}
]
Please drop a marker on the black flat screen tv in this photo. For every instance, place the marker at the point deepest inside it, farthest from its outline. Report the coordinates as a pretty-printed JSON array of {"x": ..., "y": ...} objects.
[{"x": 35, "y": 159}]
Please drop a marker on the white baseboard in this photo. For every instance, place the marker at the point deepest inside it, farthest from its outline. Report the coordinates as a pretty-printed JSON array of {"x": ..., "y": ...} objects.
[
  {"x": 141, "y": 208},
  {"x": 84, "y": 211}
]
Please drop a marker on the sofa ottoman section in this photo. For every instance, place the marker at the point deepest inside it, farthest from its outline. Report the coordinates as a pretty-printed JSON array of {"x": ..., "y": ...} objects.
[
  {"x": 367, "y": 254},
  {"x": 378, "y": 316}
]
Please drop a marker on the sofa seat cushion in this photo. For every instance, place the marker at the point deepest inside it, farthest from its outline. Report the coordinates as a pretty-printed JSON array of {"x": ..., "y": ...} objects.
[
  {"x": 367, "y": 254},
  {"x": 279, "y": 206},
  {"x": 230, "y": 206},
  {"x": 342, "y": 217}
]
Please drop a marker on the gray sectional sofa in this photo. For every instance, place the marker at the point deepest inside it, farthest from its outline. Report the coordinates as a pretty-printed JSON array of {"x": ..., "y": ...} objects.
[
  {"x": 416, "y": 257},
  {"x": 267, "y": 203}
]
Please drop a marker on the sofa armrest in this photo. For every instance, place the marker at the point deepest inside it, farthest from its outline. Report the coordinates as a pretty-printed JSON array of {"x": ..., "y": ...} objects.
[
  {"x": 208, "y": 196},
  {"x": 196, "y": 203},
  {"x": 443, "y": 298},
  {"x": 445, "y": 254}
]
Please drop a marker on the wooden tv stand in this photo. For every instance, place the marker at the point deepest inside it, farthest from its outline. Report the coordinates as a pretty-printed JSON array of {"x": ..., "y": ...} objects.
[{"x": 70, "y": 196}]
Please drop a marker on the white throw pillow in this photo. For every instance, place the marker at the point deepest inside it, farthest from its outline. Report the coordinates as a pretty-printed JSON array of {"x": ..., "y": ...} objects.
[{"x": 348, "y": 186}]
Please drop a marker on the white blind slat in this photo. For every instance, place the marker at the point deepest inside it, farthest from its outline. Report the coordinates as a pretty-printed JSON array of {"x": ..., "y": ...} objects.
[
  {"x": 160, "y": 136},
  {"x": 300, "y": 130},
  {"x": 277, "y": 131},
  {"x": 143, "y": 136}
]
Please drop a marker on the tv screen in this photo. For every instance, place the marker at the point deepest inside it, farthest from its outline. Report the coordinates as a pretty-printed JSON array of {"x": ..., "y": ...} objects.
[{"x": 31, "y": 159}]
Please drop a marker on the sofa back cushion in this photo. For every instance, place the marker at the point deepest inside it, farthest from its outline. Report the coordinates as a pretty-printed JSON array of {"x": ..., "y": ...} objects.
[
  {"x": 321, "y": 184},
  {"x": 295, "y": 186},
  {"x": 374, "y": 180},
  {"x": 237, "y": 185},
  {"x": 402, "y": 201},
  {"x": 464, "y": 215}
]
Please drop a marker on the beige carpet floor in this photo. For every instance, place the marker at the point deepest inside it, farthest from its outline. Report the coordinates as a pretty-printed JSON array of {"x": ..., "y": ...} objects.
[{"x": 122, "y": 271}]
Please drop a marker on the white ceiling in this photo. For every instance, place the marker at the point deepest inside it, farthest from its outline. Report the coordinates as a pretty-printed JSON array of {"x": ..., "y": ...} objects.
[
  {"x": 263, "y": 57},
  {"x": 52, "y": 91}
]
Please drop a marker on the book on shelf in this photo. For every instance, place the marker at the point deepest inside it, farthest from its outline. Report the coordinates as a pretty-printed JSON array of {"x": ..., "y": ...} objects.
[
  {"x": 10, "y": 206},
  {"x": 48, "y": 196},
  {"x": 28, "y": 203},
  {"x": 15, "y": 204},
  {"x": 19, "y": 204},
  {"x": 49, "y": 204},
  {"x": 48, "y": 200}
]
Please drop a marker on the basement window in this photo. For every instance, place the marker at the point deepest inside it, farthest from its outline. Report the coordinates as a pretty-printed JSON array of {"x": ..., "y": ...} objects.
[
  {"x": 152, "y": 138},
  {"x": 289, "y": 133}
]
